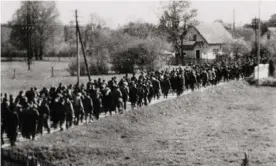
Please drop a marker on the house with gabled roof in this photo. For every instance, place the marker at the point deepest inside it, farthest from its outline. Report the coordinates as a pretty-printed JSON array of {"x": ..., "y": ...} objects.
[
  {"x": 269, "y": 35},
  {"x": 205, "y": 41}
]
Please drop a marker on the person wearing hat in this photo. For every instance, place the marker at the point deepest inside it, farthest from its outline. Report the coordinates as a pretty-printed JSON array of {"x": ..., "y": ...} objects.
[
  {"x": 69, "y": 112},
  {"x": 78, "y": 107},
  {"x": 125, "y": 93},
  {"x": 133, "y": 94},
  {"x": 96, "y": 96},
  {"x": 166, "y": 86},
  {"x": 88, "y": 107},
  {"x": 106, "y": 98},
  {"x": 12, "y": 122},
  {"x": 44, "y": 114},
  {"x": 179, "y": 84},
  {"x": 4, "y": 117},
  {"x": 156, "y": 87},
  {"x": 31, "y": 117},
  {"x": 204, "y": 76},
  {"x": 19, "y": 98},
  {"x": 117, "y": 101}
]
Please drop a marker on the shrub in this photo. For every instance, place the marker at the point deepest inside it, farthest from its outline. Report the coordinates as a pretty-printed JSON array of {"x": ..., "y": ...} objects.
[
  {"x": 95, "y": 68},
  {"x": 143, "y": 53}
]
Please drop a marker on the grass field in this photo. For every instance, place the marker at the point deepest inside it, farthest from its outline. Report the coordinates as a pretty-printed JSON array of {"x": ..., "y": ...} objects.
[
  {"x": 213, "y": 127},
  {"x": 39, "y": 76}
]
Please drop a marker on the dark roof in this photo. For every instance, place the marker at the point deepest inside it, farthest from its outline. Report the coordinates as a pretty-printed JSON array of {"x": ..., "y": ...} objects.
[{"x": 214, "y": 33}]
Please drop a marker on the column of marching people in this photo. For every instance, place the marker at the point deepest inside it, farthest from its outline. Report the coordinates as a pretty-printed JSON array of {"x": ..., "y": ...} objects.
[{"x": 34, "y": 111}]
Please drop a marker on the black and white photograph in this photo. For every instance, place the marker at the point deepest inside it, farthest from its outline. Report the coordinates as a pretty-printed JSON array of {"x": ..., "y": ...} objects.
[{"x": 138, "y": 83}]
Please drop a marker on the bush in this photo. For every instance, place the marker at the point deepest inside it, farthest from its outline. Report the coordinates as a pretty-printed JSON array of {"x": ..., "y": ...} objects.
[
  {"x": 143, "y": 53},
  {"x": 94, "y": 68}
]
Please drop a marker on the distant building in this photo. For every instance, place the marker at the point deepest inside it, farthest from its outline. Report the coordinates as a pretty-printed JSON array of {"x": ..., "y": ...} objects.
[
  {"x": 205, "y": 41},
  {"x": 269, "y": 35}
]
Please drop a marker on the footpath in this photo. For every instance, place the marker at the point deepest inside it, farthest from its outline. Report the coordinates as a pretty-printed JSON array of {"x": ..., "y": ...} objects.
[{"x": 102, "y": 115}]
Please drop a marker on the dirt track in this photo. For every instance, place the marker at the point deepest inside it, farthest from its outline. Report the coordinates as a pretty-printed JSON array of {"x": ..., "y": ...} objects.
[{"x": 214, "y": 127}]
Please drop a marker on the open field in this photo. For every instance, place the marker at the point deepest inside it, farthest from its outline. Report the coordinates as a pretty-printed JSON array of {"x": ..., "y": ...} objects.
[
  {"x": 39, "y": 76},
  {"x": 214, "y": 127}
]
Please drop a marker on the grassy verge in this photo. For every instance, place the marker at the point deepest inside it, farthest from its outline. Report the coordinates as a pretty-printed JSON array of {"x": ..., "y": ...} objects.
[
  {"x": 214, "y": 127},
  {"x": 270, "y": 81}
]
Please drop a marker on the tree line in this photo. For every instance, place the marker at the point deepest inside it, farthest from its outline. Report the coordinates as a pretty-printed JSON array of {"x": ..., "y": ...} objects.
[{"x": 136, "y": 45}]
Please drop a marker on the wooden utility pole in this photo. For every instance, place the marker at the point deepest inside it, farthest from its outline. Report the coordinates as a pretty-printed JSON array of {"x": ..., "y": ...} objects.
[
  {"x": 259, "y": 45},
  {"x": 29, "y": 35},
  {"x": 234, "y": 21},
  {"x": 84, "y": 56},
  {"x": 77, "y": 44}
]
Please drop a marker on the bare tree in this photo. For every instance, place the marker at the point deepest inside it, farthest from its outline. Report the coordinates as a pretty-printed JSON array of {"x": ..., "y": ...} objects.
[
  {"x": 42, "y": 26},
  {"x": 176, "y": 19}
]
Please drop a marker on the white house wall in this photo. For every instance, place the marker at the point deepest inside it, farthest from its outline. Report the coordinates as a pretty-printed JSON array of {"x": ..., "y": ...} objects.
[
  {"x": 209, "y": 53},
  {"x": 206, "y": 53}
]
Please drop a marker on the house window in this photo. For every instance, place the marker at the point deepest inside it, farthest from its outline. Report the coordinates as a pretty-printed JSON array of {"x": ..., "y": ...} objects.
[
  {"x": 194, "y": 38},
  {"x": 215, "y": 51}
]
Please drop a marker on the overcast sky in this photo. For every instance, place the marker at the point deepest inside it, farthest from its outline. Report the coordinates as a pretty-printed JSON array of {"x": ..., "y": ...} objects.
[{"x": 120, "y": 12}]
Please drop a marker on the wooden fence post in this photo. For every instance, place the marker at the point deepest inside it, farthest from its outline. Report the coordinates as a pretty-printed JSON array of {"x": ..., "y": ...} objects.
[
  {"x": 14, "y": 73},
  {"x": 52, "y": 71}
]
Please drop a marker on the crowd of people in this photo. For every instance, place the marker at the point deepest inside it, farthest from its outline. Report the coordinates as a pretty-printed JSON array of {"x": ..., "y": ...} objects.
[{"x": 36, "y": 110}]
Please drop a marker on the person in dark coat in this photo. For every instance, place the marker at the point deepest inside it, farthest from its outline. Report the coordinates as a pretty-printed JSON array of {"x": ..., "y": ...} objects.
[
  {"x": 146, "y": 92},
  {"x": 106, "y": 98},
  {"x": 193, "y": 79},
  {"x": 117, "y": 99},
  {"x": 140, "y": 92},
  {"x": 156, "y": 87},
  {"x": 12, "y": 123},
  {"x": 88, "y": 107},
  {"x": 150, "y": 91},
  {"x": 69, "y": 112},
  {"x": 97, "y": 101},
  {"x": 166, "y": 86},
  {"x": 19, "y": 98},
  {"x": 204, "y": 76},
  {"x": 44, "y": 114},
  {"x": 31, "y": 117},
  {"x": 54, "y": 112},
  {"x": 179, "y": 84},
  {"x": 30, "y": 94},
  {"x": 133, "y": 78},
  {"x": 4, "y": 117},
  {"x": 78, "y": 107},
  {"x": 133, "y": 94},
  {"x": 125, "y": 93},
  {"x": 61, "y": 112}
]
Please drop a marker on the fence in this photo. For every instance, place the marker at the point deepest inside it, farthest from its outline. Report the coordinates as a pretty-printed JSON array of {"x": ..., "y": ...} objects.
[
  {"x": 51, "y": 72},
  {"x": 15, "y": 158}
]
